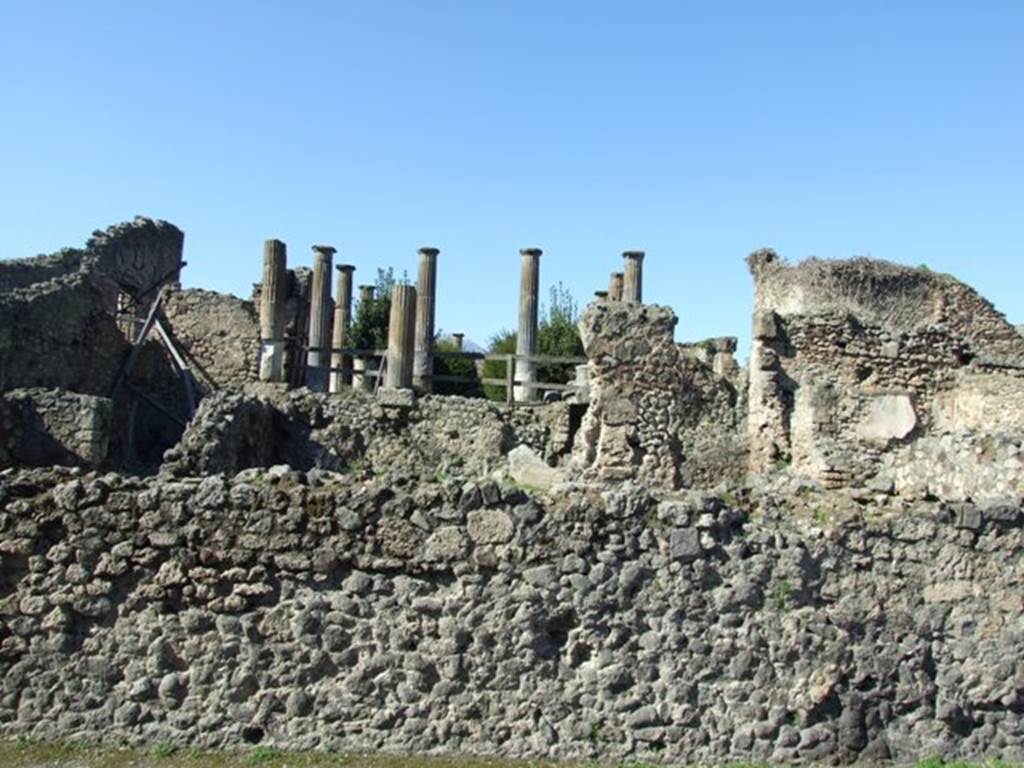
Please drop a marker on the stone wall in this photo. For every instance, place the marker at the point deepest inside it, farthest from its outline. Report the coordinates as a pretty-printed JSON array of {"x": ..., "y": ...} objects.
[
  {"x": 441, "y": 436},
  {"x": 59, "y": 334},
  {"x": 325, "y": 611},
  {"x": 219, "y": 336},
  {"x": 45, "y": 427},
  {"x": 658, "y": 412},
  {"x": 891, "y": 296},
  {"x": 852, "y": 360},
  {"x": 58, "y": 324}
]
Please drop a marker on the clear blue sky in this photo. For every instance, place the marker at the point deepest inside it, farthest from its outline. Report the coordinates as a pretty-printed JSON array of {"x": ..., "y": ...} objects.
[{"x": 695, "y": 131}]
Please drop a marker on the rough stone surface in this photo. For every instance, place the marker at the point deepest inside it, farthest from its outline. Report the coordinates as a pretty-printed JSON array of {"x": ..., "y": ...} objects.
[
  {"x": 45, "y": 427},
  {"x": 852, "y": 359},
  {"x": 657, "y": 413},
  {"x": 315, "y": 611}
]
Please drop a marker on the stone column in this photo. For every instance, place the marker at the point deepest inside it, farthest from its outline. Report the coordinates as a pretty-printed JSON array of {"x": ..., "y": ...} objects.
[
  {"x": 632, "y": 280},
  {"x": 615, "y": 287},
  {"x": 426, "y": 284},
  {"x": 342, "y": 322},
  {"x": 361, "y": 363},
  {"x": 601, "y": 297},
  {"x": 401, "y": 337},
  {"x": 320, "y": 319},
  {"x": 457, "y": 339},
  {"x": 273, "y": 297},
  {"x": 366, "y": 293},
  {"x": 526, "y": 340}
]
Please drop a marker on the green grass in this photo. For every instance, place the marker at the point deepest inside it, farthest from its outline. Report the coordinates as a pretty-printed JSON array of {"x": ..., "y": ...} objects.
[{"x": 23, "y": 753}]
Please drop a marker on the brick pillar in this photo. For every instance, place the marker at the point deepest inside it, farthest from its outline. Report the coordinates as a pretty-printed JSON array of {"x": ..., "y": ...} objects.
[
  {"x": 342, "y": 322},
  {"x": 320, "y": 319},
  {"x": 615, "y": 287},
  {"x": 401, "y": 337},
  {"x": 273, "y": 298},
  {"x": 632, "y": 280},
  {"x": 426, "y": 285},
  {"x": 526, "y": 340}
]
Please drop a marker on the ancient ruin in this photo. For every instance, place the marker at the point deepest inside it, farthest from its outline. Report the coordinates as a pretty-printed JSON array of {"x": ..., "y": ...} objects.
[{"x": 222, "y": 524}]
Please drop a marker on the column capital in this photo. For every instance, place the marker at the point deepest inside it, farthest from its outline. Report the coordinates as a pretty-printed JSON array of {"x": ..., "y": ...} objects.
[
  {"x": 428, "y": 250},
  {"x": 530, "y": 251},
  {"x": 324, "y": 250},
  {"x": 638, "y": 255},
  {"x": 345, "y": 268}
]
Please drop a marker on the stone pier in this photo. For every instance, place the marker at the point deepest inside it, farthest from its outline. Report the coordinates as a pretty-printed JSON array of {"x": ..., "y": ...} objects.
[
  {"x": 615, "y": 287},
  {"x": 632, "y": 278},
  {"x": 341, "y": 365},
  {"x": 401, "y": 338},
  {"x": 526, "y": 340},
  {"x": 320, "y": 319},
  {"x": 273, "y": 298},
  {"x": 426, "y": 286}
]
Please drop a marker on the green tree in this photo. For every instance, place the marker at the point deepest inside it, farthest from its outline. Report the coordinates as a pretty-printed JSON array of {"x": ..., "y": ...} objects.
[
  {"x": 455, "y": 366},
  {"x": 557, "y": 336},
  {"x": 370, "y": 327},
  {"x": 502, "y": 343}
]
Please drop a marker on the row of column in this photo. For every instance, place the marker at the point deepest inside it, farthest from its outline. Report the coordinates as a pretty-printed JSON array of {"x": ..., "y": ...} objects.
[
  {"x": 410, "y": 331},
  {"x": 410, "y": 358}
]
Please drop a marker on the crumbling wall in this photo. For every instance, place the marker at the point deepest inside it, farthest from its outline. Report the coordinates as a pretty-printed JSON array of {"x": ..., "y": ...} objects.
[
  {"x": 59, "y": 334},
  {"x": 878, "y": 293},
  {"x": 440, "y": 436},
  {"x": 851, "y": 360},
  {"x": 658, "y": 412},
  {"x": 45, "y": 427},
  {"x": 219, "y": 336},
  {"x": 58, "y": 314},
  {"x": 325, "y": 611},
  {"x": 21, "y": 273}
]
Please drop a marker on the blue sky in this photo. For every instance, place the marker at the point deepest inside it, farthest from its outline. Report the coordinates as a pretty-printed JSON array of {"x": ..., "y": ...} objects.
[{"x": 695, "y": 131}]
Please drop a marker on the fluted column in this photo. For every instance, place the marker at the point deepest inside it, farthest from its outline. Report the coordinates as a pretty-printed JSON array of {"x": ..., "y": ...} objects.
[
  {"x": 320, "y": 319},
  {"x": 426, "y": 286},
  {"x": 273, "y": 298},
  {"x": 615, "y": 287},
  {"x": 341, "y": 365},
  {"x": 632, "y": 280},
  {"x": 401, "y": 337},
  {"x": 526, "y": 340}
]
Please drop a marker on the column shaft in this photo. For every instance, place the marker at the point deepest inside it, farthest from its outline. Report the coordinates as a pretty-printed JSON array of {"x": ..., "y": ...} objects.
[
  {"x": 426, "y": 286},
  {"x": 526, "y": 340},
  {"x": 401, "y": 337},
  {"x": 319, "y": 319},
  {"x": 615, "y": 287},
  {"x": 273, "y": 296},
  {"x": 632, "y": 281},
  {"x": 342, "y": 322}
]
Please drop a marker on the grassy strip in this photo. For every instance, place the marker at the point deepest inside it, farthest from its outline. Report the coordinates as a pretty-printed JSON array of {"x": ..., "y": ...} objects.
[{"x": 19, "y": 753}]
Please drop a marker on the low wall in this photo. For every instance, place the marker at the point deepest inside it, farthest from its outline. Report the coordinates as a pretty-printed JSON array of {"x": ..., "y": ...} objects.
[
  {"x": 43, "y": 427},
  {"x": 315, "y": 611}
]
